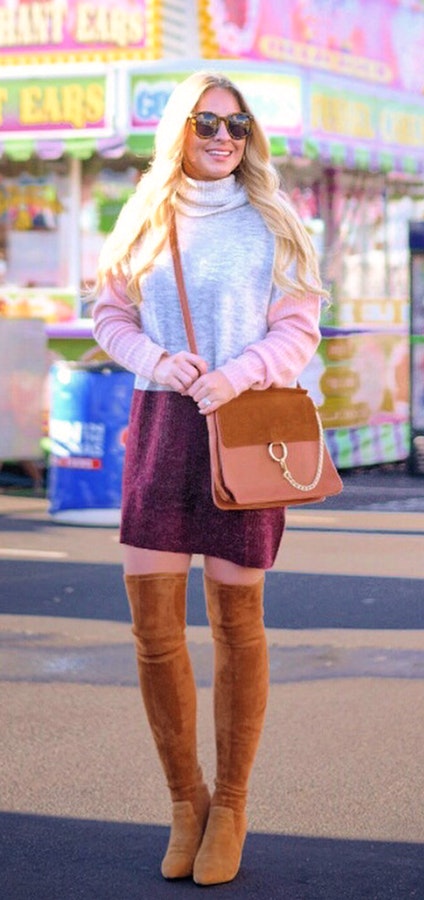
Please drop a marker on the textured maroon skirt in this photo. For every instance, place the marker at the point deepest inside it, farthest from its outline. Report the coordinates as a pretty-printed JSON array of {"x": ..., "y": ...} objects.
[{"x": 166, "y": 498}]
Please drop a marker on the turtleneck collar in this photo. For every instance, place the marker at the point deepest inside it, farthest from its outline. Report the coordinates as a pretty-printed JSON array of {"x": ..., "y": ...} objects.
[{"x": 203, "y": 198}]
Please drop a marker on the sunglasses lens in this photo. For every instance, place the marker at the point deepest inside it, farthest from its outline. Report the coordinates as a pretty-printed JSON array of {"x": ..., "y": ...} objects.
[
  {"x": 206, "y": 124},
  {"x": 239, "y": 126}
]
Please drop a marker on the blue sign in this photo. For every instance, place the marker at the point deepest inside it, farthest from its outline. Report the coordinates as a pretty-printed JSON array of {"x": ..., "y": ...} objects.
[{"x": 89, "y": 415}]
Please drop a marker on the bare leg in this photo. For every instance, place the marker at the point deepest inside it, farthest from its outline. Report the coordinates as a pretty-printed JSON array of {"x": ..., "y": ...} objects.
[
  {"x": 138, "y": 561},
  {"x": 230, "y": 573}
]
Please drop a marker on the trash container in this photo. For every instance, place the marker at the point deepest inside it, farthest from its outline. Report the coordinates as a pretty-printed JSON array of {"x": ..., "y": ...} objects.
[{"x": 89, "y": 411}]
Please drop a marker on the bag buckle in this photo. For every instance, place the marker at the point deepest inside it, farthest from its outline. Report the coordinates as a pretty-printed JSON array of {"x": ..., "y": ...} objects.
[
  {"x": 281, "y": 459},
  {"x": 285, "y": 471}
]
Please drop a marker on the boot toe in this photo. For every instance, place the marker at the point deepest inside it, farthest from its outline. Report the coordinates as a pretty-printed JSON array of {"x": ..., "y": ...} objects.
[
  {"x": 219, "y": 857},
  {"x": 188, "y": 825}
]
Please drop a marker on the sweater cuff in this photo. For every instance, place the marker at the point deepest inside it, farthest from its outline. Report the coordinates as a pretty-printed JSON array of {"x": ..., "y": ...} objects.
[
  {"x": 152, "y": 358},
  {"x": 244, "y": 372}
]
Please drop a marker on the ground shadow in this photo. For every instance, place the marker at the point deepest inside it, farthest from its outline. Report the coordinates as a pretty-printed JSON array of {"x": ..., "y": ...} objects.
[
  {"x": 45, "y": 858},
  {"x": 292, "y": 600}
]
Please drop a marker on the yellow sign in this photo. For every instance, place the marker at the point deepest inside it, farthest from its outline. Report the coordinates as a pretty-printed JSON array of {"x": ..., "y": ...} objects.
[
  {"x": 65, "y": 103},
  {"x": 338, "y": 114}
]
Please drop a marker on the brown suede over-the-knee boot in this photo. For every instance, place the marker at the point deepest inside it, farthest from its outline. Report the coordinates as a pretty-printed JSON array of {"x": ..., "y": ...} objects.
[
  {"x": 240, "y": 696},
  {"x": 158, "y": 608}
]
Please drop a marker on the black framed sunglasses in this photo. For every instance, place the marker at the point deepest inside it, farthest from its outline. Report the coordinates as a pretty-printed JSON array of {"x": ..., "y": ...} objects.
[{"x": 206, "y": 124}]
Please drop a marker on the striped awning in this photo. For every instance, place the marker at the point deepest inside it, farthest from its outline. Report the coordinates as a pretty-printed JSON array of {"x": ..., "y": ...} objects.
[
  {"x": 335, "y": 153},
  {"x": 352, "y": 155},
  {"x": 22, "y": 149}
]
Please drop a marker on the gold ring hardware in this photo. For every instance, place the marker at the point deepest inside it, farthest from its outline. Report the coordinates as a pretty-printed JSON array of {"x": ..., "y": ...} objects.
[
  {"x": 285, "y": 471},
  {"x": 282, "y": 458}
]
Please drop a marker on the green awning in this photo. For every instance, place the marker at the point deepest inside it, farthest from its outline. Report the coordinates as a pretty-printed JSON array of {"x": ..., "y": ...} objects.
[
  {"x": 140, "y": 144},
  {"x": 80, "y": 148},
  {"x": 19, "y": 149}
]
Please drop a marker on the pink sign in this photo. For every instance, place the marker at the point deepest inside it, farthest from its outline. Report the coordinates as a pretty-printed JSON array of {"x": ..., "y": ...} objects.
[
  {"x": 380, "y": 42},
  {"x": 46, "y": 28}
]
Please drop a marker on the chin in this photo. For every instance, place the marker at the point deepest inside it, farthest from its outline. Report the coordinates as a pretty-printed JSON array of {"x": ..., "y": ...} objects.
[{"x": 220, "y": 173}]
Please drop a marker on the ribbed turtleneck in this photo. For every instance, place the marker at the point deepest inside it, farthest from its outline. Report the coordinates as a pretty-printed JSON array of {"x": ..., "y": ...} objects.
[{"x": 203, "y": 198}]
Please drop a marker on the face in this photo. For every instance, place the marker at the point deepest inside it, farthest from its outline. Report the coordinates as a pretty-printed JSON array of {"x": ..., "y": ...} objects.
[{"x": 218, "y": 156}]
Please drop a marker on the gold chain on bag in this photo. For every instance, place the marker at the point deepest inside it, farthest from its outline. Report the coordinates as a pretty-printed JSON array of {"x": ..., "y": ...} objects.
[{"x": 285, "y": 471}]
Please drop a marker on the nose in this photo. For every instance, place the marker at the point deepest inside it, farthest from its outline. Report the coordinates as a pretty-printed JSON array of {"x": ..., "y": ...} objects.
[{"x": 223, "y": 132}]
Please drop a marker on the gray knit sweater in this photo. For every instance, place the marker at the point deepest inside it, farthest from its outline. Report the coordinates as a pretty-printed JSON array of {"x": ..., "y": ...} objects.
[{"x": 243, "y": 323}]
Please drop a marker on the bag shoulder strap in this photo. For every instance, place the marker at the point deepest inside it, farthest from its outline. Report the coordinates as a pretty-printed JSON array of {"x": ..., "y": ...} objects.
[{"x": 182, "y": 293}]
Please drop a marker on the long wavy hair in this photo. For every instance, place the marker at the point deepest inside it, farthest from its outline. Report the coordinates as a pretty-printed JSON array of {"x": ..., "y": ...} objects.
[{"x": 144, "y": 220}]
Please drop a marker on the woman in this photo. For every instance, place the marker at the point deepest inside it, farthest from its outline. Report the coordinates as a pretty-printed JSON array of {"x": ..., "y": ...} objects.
[{"x": 253, "y": 286}]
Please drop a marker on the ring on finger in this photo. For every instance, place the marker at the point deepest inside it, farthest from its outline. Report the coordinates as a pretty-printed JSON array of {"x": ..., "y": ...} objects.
[{"x": 206, "y": 402}]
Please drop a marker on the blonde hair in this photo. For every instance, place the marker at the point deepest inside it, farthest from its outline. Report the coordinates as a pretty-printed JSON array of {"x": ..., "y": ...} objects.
[{"x": 145, "y": 218}]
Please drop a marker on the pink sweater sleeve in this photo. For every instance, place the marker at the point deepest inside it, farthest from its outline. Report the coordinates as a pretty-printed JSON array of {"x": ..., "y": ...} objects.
[
  {"x": 117, "y": 329},
  {"x": 280, "y": 357}
]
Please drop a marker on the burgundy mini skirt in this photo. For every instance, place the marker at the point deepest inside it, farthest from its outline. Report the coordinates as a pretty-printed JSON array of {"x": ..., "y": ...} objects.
[{"x": 166, "y": 495}]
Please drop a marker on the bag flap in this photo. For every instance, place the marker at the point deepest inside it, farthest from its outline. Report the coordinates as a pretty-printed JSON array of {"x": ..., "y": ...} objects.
[{"x": 260, "y": 417}]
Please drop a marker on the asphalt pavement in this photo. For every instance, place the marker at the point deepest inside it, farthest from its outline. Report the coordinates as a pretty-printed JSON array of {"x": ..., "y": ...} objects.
[{"x": 336, "y": 805}]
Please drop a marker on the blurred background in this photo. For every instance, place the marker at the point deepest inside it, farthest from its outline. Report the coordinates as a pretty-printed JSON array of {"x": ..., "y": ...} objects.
[{"x": 338, "y": 86}]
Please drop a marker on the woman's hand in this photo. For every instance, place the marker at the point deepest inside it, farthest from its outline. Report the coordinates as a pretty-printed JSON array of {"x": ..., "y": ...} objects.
[
  {"x": 210, "y": 391},
  {"x": 180, "y": 370}
]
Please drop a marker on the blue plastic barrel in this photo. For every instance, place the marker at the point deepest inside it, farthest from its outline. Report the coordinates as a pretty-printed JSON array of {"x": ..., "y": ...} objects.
[{"x": 89, "y": 412}]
